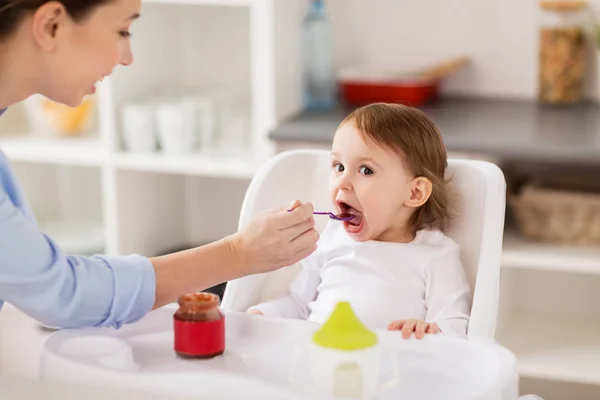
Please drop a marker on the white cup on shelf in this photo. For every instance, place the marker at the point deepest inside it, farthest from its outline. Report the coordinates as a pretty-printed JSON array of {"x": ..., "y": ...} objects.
[
  {"x": 177, "y": 127},
  {"x": 139, "y": 133},
  {"x": 201, "y": 109},
  {"x": 234, "y": 124}
]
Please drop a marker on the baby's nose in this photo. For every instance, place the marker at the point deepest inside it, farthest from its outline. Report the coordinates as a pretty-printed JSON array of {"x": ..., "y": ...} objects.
[{"x": 344, "y": 183}]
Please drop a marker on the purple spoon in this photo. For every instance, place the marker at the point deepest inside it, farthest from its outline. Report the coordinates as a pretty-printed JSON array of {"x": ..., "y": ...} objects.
[{"x": 337, "y": 217}]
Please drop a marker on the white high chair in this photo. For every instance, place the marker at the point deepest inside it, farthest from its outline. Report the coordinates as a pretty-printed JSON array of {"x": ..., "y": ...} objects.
[
  {"x": 478, "y": 228},
  {"x": 261, "y": 351}
]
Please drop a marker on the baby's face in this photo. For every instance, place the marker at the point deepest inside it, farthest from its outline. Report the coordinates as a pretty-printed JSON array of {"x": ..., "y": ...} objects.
[{"x": 372, "y": 183}]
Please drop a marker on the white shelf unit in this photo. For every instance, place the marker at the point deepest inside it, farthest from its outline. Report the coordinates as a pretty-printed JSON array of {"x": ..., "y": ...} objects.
[
  {"x": 549, "y": 316},
  {"x": 150, "y": 203},
  {"x": 68, "y": 203},
  {"x": 197, "y": 164},
  {"x": 75, "y": 152},
  {"x": 222, "y": 3},
  {"x": 520, "y": 253}
]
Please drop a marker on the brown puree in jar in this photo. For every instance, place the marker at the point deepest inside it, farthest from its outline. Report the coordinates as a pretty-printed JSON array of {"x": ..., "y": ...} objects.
[
  {"x": 198, "y": 307},
  {"x": 199, "y": 326}
]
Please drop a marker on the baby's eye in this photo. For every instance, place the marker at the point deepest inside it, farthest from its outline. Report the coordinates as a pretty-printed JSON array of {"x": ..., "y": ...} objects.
[
  {"x": 338, "y": 167},
  {"x": 365, "y": 170}
]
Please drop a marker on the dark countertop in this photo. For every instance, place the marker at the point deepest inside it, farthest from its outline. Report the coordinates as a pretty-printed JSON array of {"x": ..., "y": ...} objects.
[{"x": 512, "y": 129}]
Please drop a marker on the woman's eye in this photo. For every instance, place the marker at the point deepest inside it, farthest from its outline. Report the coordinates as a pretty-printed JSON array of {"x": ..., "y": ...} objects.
[
  {"x": 365, "y": 170},
  {"x": 338, "y": 167},
  {"x": 124, "y": 34}
]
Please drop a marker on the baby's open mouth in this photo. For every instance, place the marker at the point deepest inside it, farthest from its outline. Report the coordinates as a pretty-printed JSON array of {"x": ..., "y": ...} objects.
[{"x": 348, "y": 209}]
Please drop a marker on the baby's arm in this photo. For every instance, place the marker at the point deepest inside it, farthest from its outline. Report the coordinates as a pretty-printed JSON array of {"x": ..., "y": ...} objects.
[
  {"x": 448, "y": 293},
  {"x": 303, "y": 290}
]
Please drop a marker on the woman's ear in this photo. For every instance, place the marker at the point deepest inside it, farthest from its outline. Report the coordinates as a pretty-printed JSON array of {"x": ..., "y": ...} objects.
[
  {"x": 45, "y": 23},
  {"x": 420, "y": 191}
]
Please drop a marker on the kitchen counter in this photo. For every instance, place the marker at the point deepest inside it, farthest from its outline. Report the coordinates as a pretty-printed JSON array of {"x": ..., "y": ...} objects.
[{"x": 511, "y": 129}]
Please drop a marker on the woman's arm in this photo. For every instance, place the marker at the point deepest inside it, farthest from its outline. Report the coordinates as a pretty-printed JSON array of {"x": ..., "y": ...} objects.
[
  {"x": 195, "y": 269},
  {"x": 272, "y": 240},
  {"x": 303, "y": 289},
  {"x": 68, "y": 291},
  {"x": 75, "y": 291}
]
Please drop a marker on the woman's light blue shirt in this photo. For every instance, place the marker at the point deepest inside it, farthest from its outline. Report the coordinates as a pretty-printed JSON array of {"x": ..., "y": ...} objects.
[{"x": 61, "y": 290}]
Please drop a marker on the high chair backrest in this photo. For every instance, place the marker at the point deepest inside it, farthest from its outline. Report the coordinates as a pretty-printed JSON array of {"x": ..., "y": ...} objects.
[{"x": 478, "y": 204}]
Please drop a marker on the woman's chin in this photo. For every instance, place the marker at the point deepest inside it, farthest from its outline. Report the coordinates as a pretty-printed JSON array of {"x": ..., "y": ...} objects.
[{"x": 70, "y": 100}]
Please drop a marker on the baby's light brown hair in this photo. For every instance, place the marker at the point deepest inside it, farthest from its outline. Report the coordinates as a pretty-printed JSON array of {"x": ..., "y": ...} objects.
[{"x": 410, "y": 133}]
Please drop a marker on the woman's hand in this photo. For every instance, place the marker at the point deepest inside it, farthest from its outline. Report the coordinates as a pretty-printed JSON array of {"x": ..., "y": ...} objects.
[
  {"x": 272, "y": 240},
  {"x": 276, "y": 238},
  {"x": 254, "y": 311},
  {"x": 414, "y": 325}
]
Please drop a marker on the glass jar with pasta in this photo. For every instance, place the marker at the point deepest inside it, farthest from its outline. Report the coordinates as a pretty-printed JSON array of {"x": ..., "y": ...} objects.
[{"x": 562, "y": 52}]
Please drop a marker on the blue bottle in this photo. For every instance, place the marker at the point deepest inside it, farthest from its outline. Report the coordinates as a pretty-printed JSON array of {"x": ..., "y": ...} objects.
[{"x": 319, "y": 79}]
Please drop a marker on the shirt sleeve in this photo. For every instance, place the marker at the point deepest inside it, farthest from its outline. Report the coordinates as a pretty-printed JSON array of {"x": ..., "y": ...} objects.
[
  {"x": 304, "y": 287},
  {"x": 303, "y": 290},
  {"x": 68, "y": 291},
  {"x": 448, "y": 293}
]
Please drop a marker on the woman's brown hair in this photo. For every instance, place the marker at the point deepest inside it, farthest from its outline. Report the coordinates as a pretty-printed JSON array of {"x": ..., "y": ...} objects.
[
  {"x": 409, "y": 132},
  {"x": 12, "y": 12}
]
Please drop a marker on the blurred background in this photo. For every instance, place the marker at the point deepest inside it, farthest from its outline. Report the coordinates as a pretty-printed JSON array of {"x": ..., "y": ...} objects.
[{"x": 160, "y": 157}]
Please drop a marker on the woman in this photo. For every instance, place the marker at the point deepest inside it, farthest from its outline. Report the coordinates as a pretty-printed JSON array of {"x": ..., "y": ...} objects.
[{"x": 61, "y": 49}]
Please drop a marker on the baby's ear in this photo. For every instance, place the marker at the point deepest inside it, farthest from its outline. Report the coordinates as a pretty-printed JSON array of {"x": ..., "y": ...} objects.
[{"x": 419, "y": 192}]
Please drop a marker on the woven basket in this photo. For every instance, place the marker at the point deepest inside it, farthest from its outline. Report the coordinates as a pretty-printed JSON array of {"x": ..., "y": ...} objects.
[{"x": 558, "y": 216}]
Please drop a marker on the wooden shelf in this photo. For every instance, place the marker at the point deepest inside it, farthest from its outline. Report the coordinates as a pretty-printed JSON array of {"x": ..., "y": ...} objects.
[{"x": 554, "y": 347}]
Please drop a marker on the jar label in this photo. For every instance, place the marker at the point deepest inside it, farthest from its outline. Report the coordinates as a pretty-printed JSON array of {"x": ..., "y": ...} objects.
[{"x": 199, "y": 338}]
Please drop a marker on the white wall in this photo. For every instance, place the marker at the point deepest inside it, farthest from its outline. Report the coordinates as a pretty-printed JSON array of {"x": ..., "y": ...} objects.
[{"x": 500, "y": 36}]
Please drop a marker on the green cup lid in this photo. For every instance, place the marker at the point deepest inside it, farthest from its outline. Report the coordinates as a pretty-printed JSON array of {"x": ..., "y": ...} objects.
[{"x": 344, "y": 331}]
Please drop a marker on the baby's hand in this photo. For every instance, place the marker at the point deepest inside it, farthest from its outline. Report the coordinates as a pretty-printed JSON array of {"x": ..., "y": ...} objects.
[
  {"x": 409, "y": 326},
  {"x": 254, "y": 311}
]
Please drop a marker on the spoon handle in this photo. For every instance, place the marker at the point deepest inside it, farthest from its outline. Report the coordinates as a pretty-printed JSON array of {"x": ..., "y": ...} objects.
[
  {"x": 340, "y": 217},
  {"x": 317, "y": 212}
]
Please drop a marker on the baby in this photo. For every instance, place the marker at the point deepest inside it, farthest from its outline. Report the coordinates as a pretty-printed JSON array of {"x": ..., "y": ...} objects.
[{"x": 391, "y": 261}]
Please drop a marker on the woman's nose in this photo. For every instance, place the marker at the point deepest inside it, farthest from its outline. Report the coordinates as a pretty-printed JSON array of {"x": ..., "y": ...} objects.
[{"x": 126, "y": 56}]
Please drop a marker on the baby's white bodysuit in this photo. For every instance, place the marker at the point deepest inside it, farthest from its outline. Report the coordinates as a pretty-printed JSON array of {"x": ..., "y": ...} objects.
[{"x": 383, "y": 282}]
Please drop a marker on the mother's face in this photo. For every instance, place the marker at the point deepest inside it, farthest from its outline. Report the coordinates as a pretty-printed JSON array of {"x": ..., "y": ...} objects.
[{"x": 76, "y": 55}]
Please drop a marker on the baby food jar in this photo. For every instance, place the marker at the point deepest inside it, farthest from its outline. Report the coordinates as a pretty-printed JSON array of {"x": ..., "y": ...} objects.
[
  {"x": 199, "y": 326},
  {"x": 562, "y": 52}
]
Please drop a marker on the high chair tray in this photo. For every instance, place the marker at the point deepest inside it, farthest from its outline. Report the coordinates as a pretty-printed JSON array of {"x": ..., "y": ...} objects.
[{"x": 258, "y": 359}]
